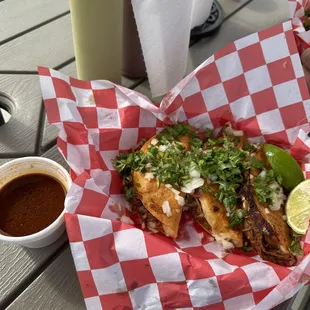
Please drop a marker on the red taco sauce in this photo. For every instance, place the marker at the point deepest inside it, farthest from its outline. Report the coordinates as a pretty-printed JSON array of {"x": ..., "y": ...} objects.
[{"x": 30, "y": 203}]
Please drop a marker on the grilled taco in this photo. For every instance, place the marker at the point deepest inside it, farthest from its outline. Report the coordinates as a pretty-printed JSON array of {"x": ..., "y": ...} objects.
[
  {"x": 226, "y": 182},
  {"x": 210, "y": 211},
  {"x": 265, "y": 226},
  {"x": 212, "y": 216},
  {"x": 153, "y": 176},
  {"x": 162, "y": 201}
]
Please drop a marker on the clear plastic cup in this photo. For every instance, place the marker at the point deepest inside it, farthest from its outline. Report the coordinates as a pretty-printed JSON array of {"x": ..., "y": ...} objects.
[{"x": 30, "y": 165}]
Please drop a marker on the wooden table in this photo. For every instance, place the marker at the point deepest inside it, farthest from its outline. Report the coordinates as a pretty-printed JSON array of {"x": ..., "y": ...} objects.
[{"x": 36, "y": 32}]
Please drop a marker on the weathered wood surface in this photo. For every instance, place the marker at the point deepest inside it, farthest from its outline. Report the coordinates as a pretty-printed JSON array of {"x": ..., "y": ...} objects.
[
  {"x": 19, "y": 134},
  {"x": 17, "y": 16},
  {"x": 49, "y": 45},
  {"x": 57, "y": 288}
]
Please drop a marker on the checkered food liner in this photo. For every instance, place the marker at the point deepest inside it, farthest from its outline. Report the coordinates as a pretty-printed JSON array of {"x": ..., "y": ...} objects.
[
  {"x": 257, "y": 84},
  {"x": 297, "y": 14}
]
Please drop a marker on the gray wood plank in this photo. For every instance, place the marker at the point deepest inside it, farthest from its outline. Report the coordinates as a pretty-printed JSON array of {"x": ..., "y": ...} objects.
[
  {"x": 19, "y": 265},
  {"x": 19, "y": 134},
  {"x": 49, "y": 45},
  {"x": 57, "y": 288},
  {"x": 17, "y": 16}
]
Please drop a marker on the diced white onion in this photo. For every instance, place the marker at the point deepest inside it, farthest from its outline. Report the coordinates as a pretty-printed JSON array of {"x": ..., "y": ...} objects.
[
  {"x": 238, "y": 133},
  {"x": 194, "y": 183},
  {"x": 154, "y": 141},
  {"x": 166, "y": 208},
  {"x": 126, "y": 219},
  {"x": 263, "y": 174},
  {"x": 212, "y": 177},
  {"x": 174, "y": 191},
  {"x": 163, "y": 148},
  {"x": 180, "y": 200},
  {"x": 277, "y": 197},
  {"x": 186, "y": 190},
  {"x": 193, "y": 172},
  {"x": 148, "y": 165},
  {"x": 267, "y": 211},
  {"x": 149, "y": 176},
  {"x": 226, "y": 244},
  {"x": 284, "y": 217}
]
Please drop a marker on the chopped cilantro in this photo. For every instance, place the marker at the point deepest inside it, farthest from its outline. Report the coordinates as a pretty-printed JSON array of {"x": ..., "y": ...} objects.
[
  {"x": 257, "y": 163},
  {"x": 206, "y": 189},
  {"x": 134, "y": 161},
  {"x": 227, "y": 162},
  {"x": 237, "y": 140},
  {"x": 129, "y": 192},
  {"x": 249, "y": 147},
  {"x": 237, "y": 217},
  {"x": 211, "y": 142},
  {"x": 208, "y": 132},
  {"x": 172, "y": 133},
  {"x": 262, "y": 187},
  {"x": 246, "y": 248},
  {"x": 295, "y": 246},
  {"x": 195, "y": 142},
  {"x": 219, "y": 160}
]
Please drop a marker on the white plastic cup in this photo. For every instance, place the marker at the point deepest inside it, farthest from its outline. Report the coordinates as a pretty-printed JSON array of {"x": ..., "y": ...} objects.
[{"x": 31, "y": 165}]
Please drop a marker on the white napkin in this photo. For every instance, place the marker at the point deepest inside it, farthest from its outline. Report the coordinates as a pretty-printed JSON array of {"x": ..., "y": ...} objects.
[
  {"x": 164, "y": 28},
  {"x": 200, "y": 12}
]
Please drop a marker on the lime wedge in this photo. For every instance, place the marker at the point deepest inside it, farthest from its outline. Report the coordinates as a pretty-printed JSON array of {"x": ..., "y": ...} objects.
[
  {"x": 298, "y": 208},
  {"x": 284, "y": 165}
]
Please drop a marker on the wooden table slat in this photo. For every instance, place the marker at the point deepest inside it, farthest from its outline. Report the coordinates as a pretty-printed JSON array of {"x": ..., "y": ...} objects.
[
  {"x": 17, "y": 16},
  {"x": 57, "y": 288},
  {"x": 19, "y": 134},
  {"x": 49, "y": 45}
]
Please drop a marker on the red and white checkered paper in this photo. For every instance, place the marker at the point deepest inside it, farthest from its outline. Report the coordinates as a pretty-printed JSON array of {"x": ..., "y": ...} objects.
[
  {"x": 256, "y": 83},
  {"x": 297, "y": 14}
]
